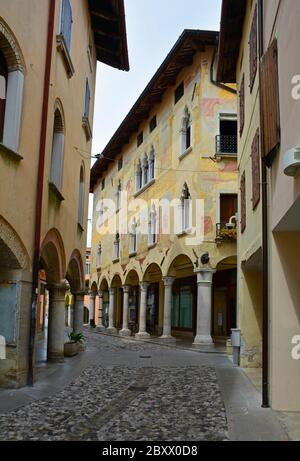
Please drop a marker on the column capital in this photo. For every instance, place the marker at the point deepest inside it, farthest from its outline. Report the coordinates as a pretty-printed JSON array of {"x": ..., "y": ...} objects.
[
  {"x": 144, "y": 286},
  {"x": 100, "y": 294},
  {"x": 126, "y": 288},
  {"x": 112, "y": 291},
  {"x": 58, "y": 290},
  {"x": 79, "y": 293},
  {"x": 205, "y": 276},
  {"x": 168, "y": 281}
]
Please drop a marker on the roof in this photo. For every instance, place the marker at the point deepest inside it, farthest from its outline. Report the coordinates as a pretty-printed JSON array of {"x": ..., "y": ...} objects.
[
  {"x": 232, "y": 20},
  {"x": 109, "y": 26},
  {"x": 179, "y": 57}
]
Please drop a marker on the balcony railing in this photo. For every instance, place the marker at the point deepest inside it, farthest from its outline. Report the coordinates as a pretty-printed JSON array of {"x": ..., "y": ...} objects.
[
  {"x": 226, "y": 145},
  {"x": 226, "y": 232}
]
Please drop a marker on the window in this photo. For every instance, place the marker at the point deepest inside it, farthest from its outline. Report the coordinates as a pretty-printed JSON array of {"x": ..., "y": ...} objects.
[
  {"x": 185, "y": 132},
  {"x": 179, "y": 92},
  {"x": 99, "y": 256},
  {"x": 228, "y": 207},
  {"x": 182, "y": 304},
  {"x": 152, "y": 164},
  {"x": 243, "y": 202},
  {"x": 152, "y": 234},
  {"x": 253, "y": 50},
  {"x": 66, "y": 23},
  {"x": 87, "y": 99},
  {"x": 57, "y": 151},
  {"x": 117, "y": 246},
  {"x": 145, "y": 170},
  {"x": 153, "y": 124},
  {"x": 242, "y": 105},
  {"x": 132, "y": 250},
  {"x": 226, "y": 141},
  {"x": 139, "y": 176},
  {"x": 120, "y": 164},
  {"x": 140, "y": 139},
  {"x": 103, "y": 184},
  {"x": 118, "y": 195},
  {"x": 255, "y": 158},
  {"x": 81, "y": 198},
  {"x": 88, "y": 268},
  {"x": 3, "y": 92},
  {"x": 185, "y": 209}
]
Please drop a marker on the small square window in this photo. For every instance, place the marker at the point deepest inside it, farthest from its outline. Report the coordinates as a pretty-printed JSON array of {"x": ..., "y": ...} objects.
[
  {"x": 153, "y": 124},
  {"x": 179, "y": 92},
  {"x": 103, "y": 184},
  {"x": 140, "y": 139},
  {"x": 120, "y": 164}
]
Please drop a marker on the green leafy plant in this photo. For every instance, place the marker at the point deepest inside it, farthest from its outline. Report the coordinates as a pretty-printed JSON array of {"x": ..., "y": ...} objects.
[
  {"x": 228, "y": 234},
  {"x": 76, "y": 337}
]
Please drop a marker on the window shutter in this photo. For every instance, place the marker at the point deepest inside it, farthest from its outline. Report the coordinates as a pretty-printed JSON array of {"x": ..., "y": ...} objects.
[
  {"x": 255, "y": 171},
  {"x": 87, "y": 99},
  {"x": 66, "y": 22},
  {"x": 242, "y": 105},
  {"x": 253, "y": 49},
  {"x": 243, "y": 202},
  {"x": 269, "y": 100}
]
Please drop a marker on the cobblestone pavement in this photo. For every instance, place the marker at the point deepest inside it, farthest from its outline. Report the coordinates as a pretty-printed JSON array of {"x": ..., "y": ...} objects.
[{"x": 126, "y": 402}]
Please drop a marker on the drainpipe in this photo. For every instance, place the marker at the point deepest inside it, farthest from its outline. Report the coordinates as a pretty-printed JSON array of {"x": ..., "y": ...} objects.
[
  {"x": 40, "y": 185},
  {"x": 213, "y": 81},
  {"x": 265, "y": 242}
]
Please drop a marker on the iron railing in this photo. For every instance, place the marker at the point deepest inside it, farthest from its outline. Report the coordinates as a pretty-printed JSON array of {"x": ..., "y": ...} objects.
[{"x": 226, "y": 144}]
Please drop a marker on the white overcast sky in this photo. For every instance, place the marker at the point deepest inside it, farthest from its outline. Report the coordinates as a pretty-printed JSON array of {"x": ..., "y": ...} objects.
[{"x": 153, "y": 27}]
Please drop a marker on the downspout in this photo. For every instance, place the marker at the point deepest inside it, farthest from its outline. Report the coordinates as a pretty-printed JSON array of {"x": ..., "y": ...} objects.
[
  {"x": 265, "y": 242},
  {"x": 40, "y": 185},
  {"x": 213, "y": 81}
]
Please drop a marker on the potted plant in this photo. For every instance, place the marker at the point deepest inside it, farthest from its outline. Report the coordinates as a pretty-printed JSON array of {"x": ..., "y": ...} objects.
[{"x": 72, "y": 347}]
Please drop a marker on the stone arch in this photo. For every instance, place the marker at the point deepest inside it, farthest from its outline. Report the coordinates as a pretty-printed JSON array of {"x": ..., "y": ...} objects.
[
  {"x": 135, "y": 266},
  {"x": 116, "y": 280},
  {"x": 75, "y": 272},
  {"x": 103, "y": 283},
  {"x": 11, "y": 49},
  {"x": 52, "y": 258},
  {"x": 132, "y": 277},
  {"x": 59, "y": 121},
  {"x": 180, "y": 266},
  {"x": 153, "y": 273},
  {"x": 12, "y": 250}
]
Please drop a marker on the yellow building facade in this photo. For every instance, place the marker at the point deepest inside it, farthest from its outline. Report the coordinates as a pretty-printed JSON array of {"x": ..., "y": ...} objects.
[
  {"x": 48, "y": 55},
  {"x": 165, "y": 191}
]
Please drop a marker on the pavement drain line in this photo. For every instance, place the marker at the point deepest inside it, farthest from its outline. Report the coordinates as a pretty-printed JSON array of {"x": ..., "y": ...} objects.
[{"x": 90, "y": 429}]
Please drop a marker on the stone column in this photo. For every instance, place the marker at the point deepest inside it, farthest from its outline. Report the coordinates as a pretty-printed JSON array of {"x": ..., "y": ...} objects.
[
  {"x": 166, "y": 336},
  {"x": 92, "y": 308},
  {"x": 142, "y": 334},
  {"x": 100, "y": 325},
  {"x": 204, "y": 306},
  {"x": 125, "y": 330},
  {"x": 111, "y": 322},
  {"x": 78, "y": 312},
  {"x": 56, "y": 326}
]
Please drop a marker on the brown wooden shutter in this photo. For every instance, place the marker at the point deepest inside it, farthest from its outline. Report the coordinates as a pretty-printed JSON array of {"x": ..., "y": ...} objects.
[
  {"x": 242, "y": 105},
  {"x": 253, "y": 49},
  {"x": 255, "y": 171},
  {"x": 243, "y": 202},
  {"x": 269, "y": 100}
]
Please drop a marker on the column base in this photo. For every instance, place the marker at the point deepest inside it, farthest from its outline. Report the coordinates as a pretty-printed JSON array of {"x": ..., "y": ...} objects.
[
  {"x": 203, "y": 340},
  {"x": 167, "y": 339},
  {"x": 111, "y": 331},
  {"x": 55, "y": 358},
  {"x": 100, "y": 328},
  {"x": 142, "y": 335},
  {"x": 125, "y": 332}
]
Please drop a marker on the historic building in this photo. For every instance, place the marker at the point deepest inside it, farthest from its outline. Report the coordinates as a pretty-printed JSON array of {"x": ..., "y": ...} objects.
[
  {"x": 165, "y": 203},
  {"x": 259, "y": 50},
  {"x": 48, "y": 54}
]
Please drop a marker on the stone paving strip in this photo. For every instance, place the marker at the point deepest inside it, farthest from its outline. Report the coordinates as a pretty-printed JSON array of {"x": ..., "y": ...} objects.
[{"x": 123, "y": 403}]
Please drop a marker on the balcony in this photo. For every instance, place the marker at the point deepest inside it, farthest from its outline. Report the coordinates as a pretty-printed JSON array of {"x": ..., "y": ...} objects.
[
  {"x": 226, "y": 232},
  {"x": 226, "y": 145}
]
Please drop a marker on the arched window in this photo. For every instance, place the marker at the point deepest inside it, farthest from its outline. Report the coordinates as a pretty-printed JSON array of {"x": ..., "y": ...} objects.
[
  {"x": 133, "y": 237},
  {"x": 81, "y": 197},
  {"x": 117, "y": 246},
  {"x": 139, "y": 176},
  {"x": 152, "y": 235},
  {"x": 152, "y": 164},
  {"x": 57, "y": 151},
  {"x": 145, "y": 170},
  {"x": 185, "y": 209},
  {"x": 186, "y": 132},
  {"x": 118, "y": 195},
  {"x": 3, "y": 91},
  {"x": 11, "y": 88}
]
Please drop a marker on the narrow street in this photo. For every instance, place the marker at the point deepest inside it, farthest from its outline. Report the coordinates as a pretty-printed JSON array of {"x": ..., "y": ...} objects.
[{"x": 124, "y": 390}]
